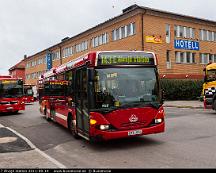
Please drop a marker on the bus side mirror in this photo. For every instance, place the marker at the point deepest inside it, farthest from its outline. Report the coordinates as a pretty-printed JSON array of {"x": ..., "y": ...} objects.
[
  {"x": 20, "y": 82},
  {"x": 163, "y": 96}
]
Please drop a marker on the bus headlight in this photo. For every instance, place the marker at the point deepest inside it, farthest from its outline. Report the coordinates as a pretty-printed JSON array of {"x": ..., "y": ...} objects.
[
  {"x": 157, "y": 121},
  {"x": 104, "y": 127}
]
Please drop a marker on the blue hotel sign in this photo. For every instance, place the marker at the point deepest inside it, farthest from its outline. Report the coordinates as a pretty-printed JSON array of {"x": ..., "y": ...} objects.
[
  {"x": 186, "y": 44},
  {"x": 49, "y": 60}
]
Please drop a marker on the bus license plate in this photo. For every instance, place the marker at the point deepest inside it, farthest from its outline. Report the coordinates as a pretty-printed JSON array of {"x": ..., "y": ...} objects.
[
  {"x": 135, "y": 132},
  {"x": 9, "y": 108}
]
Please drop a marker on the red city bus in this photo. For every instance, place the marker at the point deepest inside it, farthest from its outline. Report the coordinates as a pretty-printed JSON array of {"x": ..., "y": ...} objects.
[
  {"x": 51, "y": 91},
  {"x": 111, "y": 94},
  {"x": 11, "y": 94},
  {"x": 28, "y": 93}
]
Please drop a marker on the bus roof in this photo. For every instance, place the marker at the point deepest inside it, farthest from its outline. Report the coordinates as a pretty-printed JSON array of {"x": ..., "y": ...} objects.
[
  {"x": 92, "y": 56},
  {"x": 88, "y": 57}
]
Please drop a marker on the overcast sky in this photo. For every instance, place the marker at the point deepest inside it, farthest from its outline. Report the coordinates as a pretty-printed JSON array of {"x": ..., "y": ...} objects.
[{"x": 29, "y": 26}]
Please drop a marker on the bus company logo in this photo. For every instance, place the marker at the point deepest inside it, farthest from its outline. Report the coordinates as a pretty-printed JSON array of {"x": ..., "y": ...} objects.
[{"x": 133, "y": 118}]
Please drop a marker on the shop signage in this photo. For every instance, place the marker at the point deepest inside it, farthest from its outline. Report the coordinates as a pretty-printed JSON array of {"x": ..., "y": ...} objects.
[
  {"x": 186, "y": 44},
  {"x": 49, "y": 60},
  {"x": 153, "y": 39}
]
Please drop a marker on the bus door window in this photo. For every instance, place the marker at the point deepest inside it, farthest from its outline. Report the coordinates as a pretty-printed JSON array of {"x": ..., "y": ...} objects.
[
  {"x": 82, "y": 100},
  {"x": 69, "y": 92}
]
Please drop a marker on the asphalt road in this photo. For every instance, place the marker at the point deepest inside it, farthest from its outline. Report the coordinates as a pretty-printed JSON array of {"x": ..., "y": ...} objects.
[{"x": 189, "y": 142}]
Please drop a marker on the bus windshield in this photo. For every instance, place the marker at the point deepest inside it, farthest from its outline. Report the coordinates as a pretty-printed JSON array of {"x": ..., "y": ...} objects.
[
  {"x": 11, "y": 89},
  {"x": 116, "y": 87},
  {"x": 54, "y": 90},
  {"x": 28, "y": 91},
  {"x": 211, "y": 75}
]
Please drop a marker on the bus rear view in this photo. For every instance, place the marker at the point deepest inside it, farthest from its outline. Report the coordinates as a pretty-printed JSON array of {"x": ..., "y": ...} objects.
[{"x": 124, "y": 97}]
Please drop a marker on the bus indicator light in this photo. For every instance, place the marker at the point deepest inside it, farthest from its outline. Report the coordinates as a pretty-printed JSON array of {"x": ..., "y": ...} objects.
[{"x": 93, "y": 122}]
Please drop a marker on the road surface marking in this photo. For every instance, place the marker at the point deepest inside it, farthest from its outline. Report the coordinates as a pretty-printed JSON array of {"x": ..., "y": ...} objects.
[
  {"x": 1, "y": 126},
  {"x": 57, "y": 163}
]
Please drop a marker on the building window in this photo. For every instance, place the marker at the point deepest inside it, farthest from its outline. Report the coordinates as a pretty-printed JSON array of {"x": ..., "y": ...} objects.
[
  {"x": 124, "y": 31},
  {"x": 206, "y": 35},
  {"x": 184, "y": 31},
  {"x": 185, "y": 57},
  {"x": 206, "y": 58},
  {"x": 167, "y": 33},
  {"x": 56, "y": 56},
  {"x": 168, "y": 61},
  {"x": 114, "y": 35},
  {"x": 68, "y": 51},
  {"x": 82, "y": 46},
  {"x": 99, "y": 40},
  {"x": 181, "y": 31},
  {"x": 118, "y": 34}
]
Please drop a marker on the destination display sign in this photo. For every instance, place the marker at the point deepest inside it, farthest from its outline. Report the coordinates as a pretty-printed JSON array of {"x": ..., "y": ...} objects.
[
  {"x": 125, "y": 58},
  {"x": 8, "y": 81},
  {"x": 58, "y": 82}
]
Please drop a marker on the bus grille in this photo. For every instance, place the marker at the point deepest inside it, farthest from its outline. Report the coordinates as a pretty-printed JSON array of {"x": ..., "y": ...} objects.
[{"x": 133, "y": 125}]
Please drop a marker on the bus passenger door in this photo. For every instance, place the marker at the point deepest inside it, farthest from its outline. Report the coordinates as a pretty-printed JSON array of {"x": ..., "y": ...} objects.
[{"x": 81, "y": 99}]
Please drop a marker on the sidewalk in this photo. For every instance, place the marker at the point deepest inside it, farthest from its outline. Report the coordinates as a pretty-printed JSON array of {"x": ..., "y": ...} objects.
[
  {"x": 184, "y": 104},
  {"x": 16, "y": 151}
]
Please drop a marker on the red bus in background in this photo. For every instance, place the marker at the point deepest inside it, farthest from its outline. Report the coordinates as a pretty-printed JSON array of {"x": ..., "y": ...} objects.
[
  {"x": 11, "y": 94},
  {"x": 51, "y": 92},
  {"x": 111, "y": 94},
  {"x": 28, "y": 93}
]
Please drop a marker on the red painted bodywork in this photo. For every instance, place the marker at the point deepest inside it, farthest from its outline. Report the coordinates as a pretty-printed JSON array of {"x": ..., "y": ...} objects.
[
  {"x": 119, "y": 119},
  {"x": 121, "y": 125},
  {"x": 28, "y": 99},
  {"x": 11, "y": 104}
]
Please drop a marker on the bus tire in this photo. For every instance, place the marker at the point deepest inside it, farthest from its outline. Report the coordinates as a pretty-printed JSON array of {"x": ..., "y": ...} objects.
[
  {"x": 71, "y": 127},
  {"x": 46, "y": 114},
  {"x": 16, "y": 112},
  {"x": 214, "y": 104}
]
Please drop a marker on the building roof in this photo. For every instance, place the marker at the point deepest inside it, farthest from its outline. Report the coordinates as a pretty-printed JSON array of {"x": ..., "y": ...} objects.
[
  {"x": 19, "y": 65},
  {"x": 127, "y": 11}
]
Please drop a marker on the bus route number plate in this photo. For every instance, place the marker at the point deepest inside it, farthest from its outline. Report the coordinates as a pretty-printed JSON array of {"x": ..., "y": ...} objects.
[{"x": 135, "y": 132}]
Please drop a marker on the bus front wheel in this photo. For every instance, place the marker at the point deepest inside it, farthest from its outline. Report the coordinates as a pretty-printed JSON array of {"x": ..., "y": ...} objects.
[
  {"x": 214, "y": 105},
  {"x": 46, "y": 114}
]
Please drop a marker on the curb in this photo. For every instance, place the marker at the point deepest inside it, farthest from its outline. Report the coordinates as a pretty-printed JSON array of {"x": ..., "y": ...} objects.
[
  {"x": 34, "y": 148},
  {"x": 190, "y": 107}
]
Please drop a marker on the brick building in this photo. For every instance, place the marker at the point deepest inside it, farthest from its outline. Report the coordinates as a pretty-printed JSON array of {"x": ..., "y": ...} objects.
[
  {"x": 18, "y": 70},
  {"x": 184, "y": 44}
]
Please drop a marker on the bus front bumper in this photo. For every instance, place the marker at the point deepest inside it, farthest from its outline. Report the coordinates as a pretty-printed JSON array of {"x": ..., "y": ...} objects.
[
  {"x": 11, "y": 108},
  {"x": 108, "y": 135}
]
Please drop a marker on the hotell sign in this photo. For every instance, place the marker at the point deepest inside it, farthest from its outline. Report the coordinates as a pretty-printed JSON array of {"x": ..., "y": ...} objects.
[{"x": 186, "y": 44}]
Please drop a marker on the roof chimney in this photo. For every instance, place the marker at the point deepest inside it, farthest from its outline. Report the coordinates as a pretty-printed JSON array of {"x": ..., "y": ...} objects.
[
  {"x": 130, "y": 8},
  {"x": 64, "y": 39}
]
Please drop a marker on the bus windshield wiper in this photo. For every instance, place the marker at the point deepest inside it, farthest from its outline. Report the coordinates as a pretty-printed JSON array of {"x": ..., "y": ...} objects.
[
  {"x": 104, "y": 110},
  {"x": 141, "y": 104}
]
